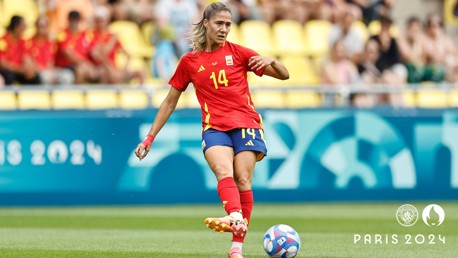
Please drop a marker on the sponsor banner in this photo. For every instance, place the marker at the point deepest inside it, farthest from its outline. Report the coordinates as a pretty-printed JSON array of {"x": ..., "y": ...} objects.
[{"x": 79, "y": 157}]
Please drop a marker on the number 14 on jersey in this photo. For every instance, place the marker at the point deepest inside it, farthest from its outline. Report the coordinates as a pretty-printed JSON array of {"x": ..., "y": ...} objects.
[{"x": 221, "y": 80}]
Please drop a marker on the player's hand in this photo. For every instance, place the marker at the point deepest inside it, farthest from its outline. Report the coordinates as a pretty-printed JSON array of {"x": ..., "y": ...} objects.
[
  {"x": 258, "y": 62},
  {"x": 143, "y": 148}
]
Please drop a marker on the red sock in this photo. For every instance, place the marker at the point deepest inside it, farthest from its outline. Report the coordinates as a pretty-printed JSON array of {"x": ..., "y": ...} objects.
[
  {"x": 229, "y": 195},
  {"x": 247, "y": 200}
]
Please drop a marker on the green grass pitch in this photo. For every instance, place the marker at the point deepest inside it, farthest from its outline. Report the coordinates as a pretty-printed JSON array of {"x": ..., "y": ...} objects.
[{"x": 326, "y": 230}]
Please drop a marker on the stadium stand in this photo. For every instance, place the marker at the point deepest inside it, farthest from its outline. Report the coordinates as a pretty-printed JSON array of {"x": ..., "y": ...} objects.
[
  {"x": 302, "y": 47},
  {"x": 101, "y": 99},
  {"x": 133, "y": 99},
  {"x": 234, "y": 35},
  {"x": 257, "y": 35},
  {"x": 67, "y": 99},
  {"x": 131, "y": 38},
  {"x": 25, "y": 8},
  {"x": 288, "y": 38},
  {"x": 34, "y": 99},
  {"x": 9, "y": 100},
  {"x": 374, "y": 29},
  {"x": 301, "y": 99},
  {"x": 302, "y": 71},
  {"x": 316, "y": 37},
  {"x": 431, "y": 98},
  {"x": 269, "y": 99}
]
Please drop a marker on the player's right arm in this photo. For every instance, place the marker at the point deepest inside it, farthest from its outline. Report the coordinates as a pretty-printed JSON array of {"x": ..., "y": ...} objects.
[{"x": 163, "y": 114}]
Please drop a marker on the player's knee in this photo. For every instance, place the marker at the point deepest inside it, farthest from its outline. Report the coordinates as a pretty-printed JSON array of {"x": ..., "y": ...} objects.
[
  {"x": 243, "y": 182},
  {"x": 222, "y": 170}
]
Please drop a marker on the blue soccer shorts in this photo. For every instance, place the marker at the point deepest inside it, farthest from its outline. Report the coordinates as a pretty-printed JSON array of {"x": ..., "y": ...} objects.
[{"x": 240, "y": 139}]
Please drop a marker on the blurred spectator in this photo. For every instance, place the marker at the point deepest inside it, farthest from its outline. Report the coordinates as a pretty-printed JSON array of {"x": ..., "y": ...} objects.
[
  {"x": 164, "y": 60},
  {"x": 389, "y": 61},
  {"x": 367, "y": 67},
  {"x": 139, "y": 11},
  {"x": 180, "y": 14},
  {"x": 104, "y": 48},
  {"x": 369, "y": 74},
  {"x": 42, "y": 50},
  {"x": 394, "y": 73},
  {"x": 373, "y": 9},
  {"x": 414, "y": 51},
  {"x": 73, "y": 51},
  {"x": 338, "y": 69},
  {"x": 442, "y": 50},
  {"x": 318, "y": 10},
  {"x": 352, "y": 39},
  {"x": 243, "y": 10},
  {"x": 57, "y": 12},
  {"x": 340, "y": 7},
  {"x": 15, "y": 63},
  {"x": 273, "y": 10}
]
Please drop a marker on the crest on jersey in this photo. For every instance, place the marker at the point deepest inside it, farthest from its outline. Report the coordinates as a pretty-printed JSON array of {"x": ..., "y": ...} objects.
[{"x": 229, "y": 60}]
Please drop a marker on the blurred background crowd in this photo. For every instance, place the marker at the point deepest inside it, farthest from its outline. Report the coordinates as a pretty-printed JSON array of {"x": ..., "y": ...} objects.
[{"x": 139, "y": 42}]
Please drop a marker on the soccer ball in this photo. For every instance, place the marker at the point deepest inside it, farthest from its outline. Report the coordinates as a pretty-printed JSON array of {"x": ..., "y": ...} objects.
[{"x": 281, "y": 241}]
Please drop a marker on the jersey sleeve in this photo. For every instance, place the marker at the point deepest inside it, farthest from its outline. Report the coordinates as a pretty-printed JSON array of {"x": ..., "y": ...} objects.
[
  {"x": 246, "y": 54},
  {"x": 181, "y": 78}
]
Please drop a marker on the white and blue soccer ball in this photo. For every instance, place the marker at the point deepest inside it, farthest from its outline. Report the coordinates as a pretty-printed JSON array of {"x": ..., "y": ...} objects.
[{"x": 281, "y": 241}]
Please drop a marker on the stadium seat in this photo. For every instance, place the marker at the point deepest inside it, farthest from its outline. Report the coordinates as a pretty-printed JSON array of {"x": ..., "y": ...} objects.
[
  {"x": 257, "y": 35},
  {"x": 234, "y": 34},
  {"x": 133, "y": 99},
  {"x": 28, "y": 9},
  {"x": 288, "y": 38},
  {"x": 131, "y": 38},
  {"x": 453, "y": 98},
  {"x": 158, "y": 97},
  {"x": 316, "y": 37},
  {"x": 264, "y": 81},
  {"x": 409, "y": 99},
  {"x": 362, "y": 29},
  {"x": 8, "y": 100},
  {"x": 374, "y": 28},
  {"x": 147, "y": 30},
  {"x": 432, "y": 99},
  {"x": 67, "y": 99},
  {"x": 268, "y": 99},
  {"x": 303, "y": 99},
  {"x": 135, "y": 64},
  {"x": 34, "y": 99},
  {"x": 101, "y": 99},
  {"x": 189, "y": 99},
  {"x": 302, "y": 71}
]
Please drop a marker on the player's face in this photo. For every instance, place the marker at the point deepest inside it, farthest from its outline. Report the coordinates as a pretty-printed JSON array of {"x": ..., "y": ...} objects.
[{"x": 218, "y": 27}]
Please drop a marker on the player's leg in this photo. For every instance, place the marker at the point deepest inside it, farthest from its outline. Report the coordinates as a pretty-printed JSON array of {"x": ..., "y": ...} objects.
[
  {"x": 250, "y": 147},
  {"x": 244, "y": 163},
  {"x": 219, "y": 154}
]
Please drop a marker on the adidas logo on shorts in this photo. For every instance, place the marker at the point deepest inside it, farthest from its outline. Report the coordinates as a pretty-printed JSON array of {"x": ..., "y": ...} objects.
[{"x": 249, "y": 143}]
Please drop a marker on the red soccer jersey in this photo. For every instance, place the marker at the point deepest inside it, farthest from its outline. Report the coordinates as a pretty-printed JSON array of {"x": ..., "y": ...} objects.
[
  {"x": 220, "y": 80},
  {"x": 12, "y": 50},
  {"x": 42, "y": 52},
  {"x": 78, "y": 42},
  {"x": 102, "y": 38}
]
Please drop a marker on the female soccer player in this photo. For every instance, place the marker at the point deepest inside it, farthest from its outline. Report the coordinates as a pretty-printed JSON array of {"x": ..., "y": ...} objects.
[{"x": 233, "y": 139}]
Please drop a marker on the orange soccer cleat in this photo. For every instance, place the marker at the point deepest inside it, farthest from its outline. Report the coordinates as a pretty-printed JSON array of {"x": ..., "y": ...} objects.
[{"x": 227, "y": 224}]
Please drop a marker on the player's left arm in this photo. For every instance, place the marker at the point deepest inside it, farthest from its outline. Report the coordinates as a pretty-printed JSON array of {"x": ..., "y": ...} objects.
[{"x": 273, "y": 67}]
